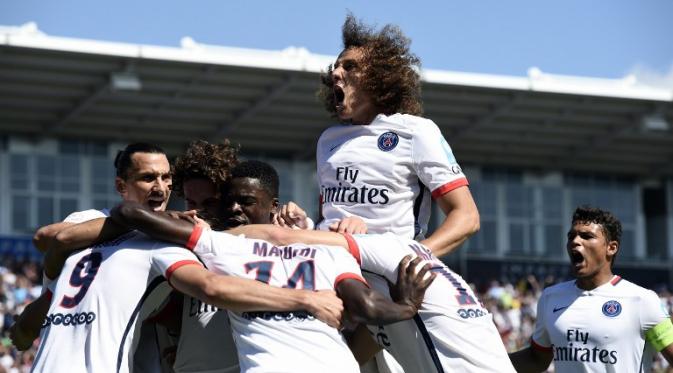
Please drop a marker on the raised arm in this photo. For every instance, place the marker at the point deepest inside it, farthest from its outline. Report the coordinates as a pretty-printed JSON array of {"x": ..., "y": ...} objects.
[{"x": 368, "y": 306}]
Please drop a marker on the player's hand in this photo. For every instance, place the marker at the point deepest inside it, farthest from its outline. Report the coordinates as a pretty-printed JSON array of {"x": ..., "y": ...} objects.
[
  {"x": 21, "y": 339},
  {"x": 326, "y": 307},
  {"x": 412, "y": 282},
  {"x": 291, "y": 215},
  {"x": 350, "y": 225}
]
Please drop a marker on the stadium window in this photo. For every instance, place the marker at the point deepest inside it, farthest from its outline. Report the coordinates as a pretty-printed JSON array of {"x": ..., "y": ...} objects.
[
  {"x": 552, "y": 222},
  {"x": 43, "y": 188},
  {"x": 486, "y": 197},
  {"x": 102, "y": 175}
]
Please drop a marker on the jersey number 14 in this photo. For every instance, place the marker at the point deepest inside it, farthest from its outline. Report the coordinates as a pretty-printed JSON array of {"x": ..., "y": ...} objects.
[{"x": 304, "y": 273}]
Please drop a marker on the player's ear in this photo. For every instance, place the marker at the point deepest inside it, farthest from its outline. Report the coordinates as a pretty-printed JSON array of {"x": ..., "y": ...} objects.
[
  {"x": 120, "y": 185},
  {"x": 613, "y": 248},
  {"x": 274, "y": 206}
]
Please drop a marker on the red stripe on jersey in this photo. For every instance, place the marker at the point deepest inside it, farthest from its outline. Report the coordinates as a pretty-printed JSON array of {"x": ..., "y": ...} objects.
[
  {"x": 194, "y": 237},
  {"x": 347, "y": 275},
  {"x": 176, "y": 265},
  {"x": 615, "y": 280},
  {"x": 49, "y": 294},
  {"x": 353, "y": 247},
  {"x": 539, "y": 347},
  {"x": 442, "y": 190}
]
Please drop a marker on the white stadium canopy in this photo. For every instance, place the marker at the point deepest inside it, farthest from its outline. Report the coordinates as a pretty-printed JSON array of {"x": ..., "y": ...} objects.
[{"x": 265, "y": 100}]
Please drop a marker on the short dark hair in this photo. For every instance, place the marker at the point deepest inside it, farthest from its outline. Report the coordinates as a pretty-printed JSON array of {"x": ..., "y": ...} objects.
[
  {"x": 262, "y": 171},
  {"x": 123, "y": 162},
  {"x": 611, "y": 226},
  {"x": 203, "y": 160}
]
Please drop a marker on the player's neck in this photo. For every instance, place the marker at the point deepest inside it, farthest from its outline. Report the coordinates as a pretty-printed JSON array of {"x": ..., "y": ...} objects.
[{"x": 592, "y": 282}]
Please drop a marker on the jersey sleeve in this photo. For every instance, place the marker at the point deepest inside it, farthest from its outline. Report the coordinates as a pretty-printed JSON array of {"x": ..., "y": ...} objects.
[
  {"x": 655, "y": 322},
  {"x": 378, "y": 253},
  {"x": 213, "y": 248},
  {"x": 86, "y": 215},
  {"x": 434, "y": 161},
  {"x": 346, "y": 267},
  {"x": 540, "y": 339},
  {"x": 166, "y": 259}
]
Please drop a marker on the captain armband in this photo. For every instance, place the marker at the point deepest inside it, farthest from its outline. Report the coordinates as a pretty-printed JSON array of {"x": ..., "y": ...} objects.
[{"x": 661, "y": 335}]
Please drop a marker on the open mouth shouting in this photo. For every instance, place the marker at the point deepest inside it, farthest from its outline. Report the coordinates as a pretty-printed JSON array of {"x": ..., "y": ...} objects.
[
  {"x": 576, "y": 259},
  {"x": 155, "y": 202},
  {"x": 339, "y": 97}
]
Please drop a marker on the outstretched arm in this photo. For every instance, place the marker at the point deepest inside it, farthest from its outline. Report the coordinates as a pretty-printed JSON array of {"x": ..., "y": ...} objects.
[
  {"x": 284, "y": 236},
  {"x": 239, "y": 294},
  {"x": 371, "y": 307},
  {"x": 159, "y": 225}
]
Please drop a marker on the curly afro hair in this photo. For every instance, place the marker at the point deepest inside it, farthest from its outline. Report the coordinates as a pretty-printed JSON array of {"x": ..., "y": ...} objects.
[
  {"x": 203, "y": 160},
  {"x": 390, "y": 69}
]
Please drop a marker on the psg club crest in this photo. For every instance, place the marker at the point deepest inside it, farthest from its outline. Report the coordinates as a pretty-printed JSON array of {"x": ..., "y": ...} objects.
[
  {"x": 612, "y": 308},
  {"x": 388, "y": 141}
]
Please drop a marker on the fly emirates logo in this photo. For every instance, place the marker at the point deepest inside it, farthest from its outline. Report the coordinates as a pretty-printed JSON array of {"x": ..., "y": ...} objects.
[
  {"x": 348, "y": 191},
  {"x": 577, "y": 350}
]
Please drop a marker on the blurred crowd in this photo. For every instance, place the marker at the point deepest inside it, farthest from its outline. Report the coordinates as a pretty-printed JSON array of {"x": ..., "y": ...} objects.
[
  {"x": 512, "y": 303},
  {"x": 20, "y": 284}
]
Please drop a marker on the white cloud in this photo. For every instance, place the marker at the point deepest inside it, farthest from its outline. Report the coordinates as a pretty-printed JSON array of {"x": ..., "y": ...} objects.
[{"x": 652, "y": 77}]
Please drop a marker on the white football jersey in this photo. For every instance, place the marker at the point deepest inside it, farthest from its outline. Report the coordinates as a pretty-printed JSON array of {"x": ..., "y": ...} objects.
[
  {"x": 206, "y": 344},
  {"x": 452, "y": 331},
  {"x": 96, "y": 300},
  {"x": 385, "y": 173},
  {"x": 282, "y": 341},
  {"x": 599, "y": 330},
  {"x": 86, "y": 215}
]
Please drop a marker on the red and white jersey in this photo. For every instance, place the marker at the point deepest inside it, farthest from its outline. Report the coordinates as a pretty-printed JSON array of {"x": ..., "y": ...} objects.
[
  {"x": 206, "y": 344},
  {"x": 452, "y": 331},
  {"x": 599, "y": 330},
  {"x": 96, "y": 300},
  {"x": 282, "y": 341},
  {"x": 385, "y": 173}
]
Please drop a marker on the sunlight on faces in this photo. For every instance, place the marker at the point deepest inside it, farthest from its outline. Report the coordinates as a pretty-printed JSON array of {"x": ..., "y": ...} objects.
[
  {"x": 589, "y": 251},
  {"x": 246, "y": 202},
  {"x": 353, "y": 103},
  {"x": 148, "y": 181}
]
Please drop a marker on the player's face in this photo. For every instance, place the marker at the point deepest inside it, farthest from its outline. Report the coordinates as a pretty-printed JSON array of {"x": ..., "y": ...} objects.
[
  {"x": 589, "y": 251},
  {"x": 353, "y": 103},
  {"x": 149, "y": 181},
  {"x": 246, "y": 202},
  {"x": 202, "y": 195}
]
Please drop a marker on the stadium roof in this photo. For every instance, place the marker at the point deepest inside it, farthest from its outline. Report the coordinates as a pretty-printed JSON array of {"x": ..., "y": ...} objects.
[{"x": 265, "y": 100}]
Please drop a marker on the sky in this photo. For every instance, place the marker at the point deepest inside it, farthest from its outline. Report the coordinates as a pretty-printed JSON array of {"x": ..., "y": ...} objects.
[{"x": 597, "y": 38}]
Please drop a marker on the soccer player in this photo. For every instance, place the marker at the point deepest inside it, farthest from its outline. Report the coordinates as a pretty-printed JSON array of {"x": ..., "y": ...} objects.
[
  {"x": 142, "y": 175},
  {"x": 384, "y": 162},
  {"x": 94, "y": 312},
  {"x": 289, "y": 341},
  {"x": 205, "y": 342},
  {"x": 598, "y": 322},
  {"x": 452, "y": 331}
]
